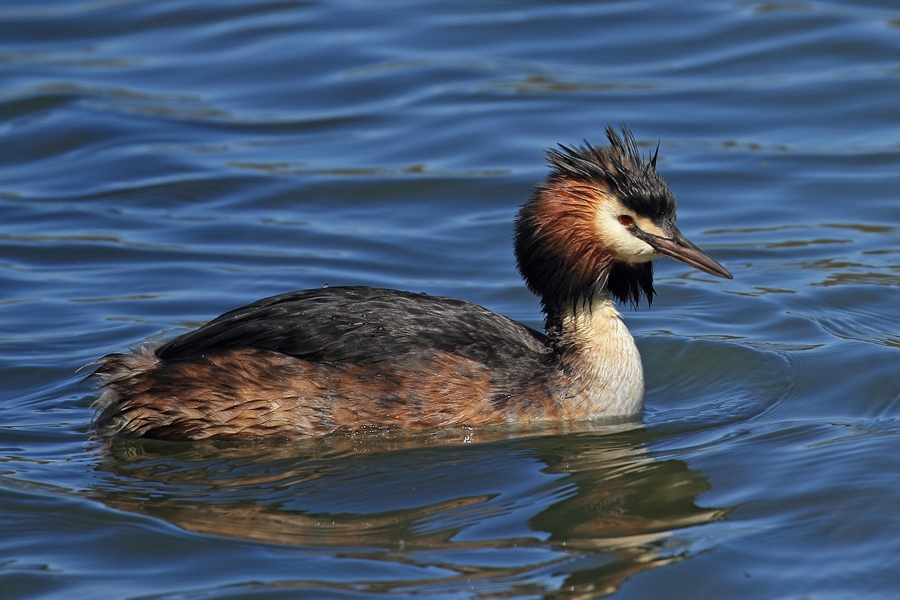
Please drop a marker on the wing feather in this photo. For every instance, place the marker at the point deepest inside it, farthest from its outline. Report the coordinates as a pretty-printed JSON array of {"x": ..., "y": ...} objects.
[{"x": 363, "y": 325}]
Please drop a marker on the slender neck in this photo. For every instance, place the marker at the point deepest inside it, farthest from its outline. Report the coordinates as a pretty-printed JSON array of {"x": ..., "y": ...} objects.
[{"x": 600, "y": 368}]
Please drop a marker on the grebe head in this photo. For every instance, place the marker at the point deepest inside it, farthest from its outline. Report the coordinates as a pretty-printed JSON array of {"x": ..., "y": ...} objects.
[{"x": 597, "y": 221}]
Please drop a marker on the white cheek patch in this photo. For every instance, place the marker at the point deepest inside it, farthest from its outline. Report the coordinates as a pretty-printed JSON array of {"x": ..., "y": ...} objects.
[
  {"x": 645, "y": 224},
  {"x": 619, "y": 240}
]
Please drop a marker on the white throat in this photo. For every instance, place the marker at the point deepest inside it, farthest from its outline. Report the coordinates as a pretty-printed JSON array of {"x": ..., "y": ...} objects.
[{"x": 607, "y": 378}]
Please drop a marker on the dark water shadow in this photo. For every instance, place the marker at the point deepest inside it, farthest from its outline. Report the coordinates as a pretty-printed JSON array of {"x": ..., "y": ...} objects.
[{"x": 592, "y": 506}]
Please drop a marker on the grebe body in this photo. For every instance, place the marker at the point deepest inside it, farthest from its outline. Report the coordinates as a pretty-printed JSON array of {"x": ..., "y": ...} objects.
[{"x": 348, "y": 359}]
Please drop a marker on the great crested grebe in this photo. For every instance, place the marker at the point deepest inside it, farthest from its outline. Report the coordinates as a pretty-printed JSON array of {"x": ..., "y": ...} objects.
[{"x": 347, "y": 359}]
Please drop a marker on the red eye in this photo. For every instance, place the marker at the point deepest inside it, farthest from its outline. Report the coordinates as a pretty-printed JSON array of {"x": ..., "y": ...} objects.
[{"x": 626, "y": 221}]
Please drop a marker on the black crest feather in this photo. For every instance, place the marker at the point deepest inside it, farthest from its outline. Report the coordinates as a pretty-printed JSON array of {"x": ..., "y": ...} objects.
[
  {"x": 556, "y": 263},
  {"x": 621, "y": 168}
]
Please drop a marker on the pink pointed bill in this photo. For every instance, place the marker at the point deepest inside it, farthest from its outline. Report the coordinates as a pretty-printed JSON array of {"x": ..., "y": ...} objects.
[{"x": 682, "y": 250}]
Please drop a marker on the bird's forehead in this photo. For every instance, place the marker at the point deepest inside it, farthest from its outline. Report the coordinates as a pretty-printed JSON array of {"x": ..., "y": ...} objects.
[
  {"x": 640, "y": 188},
  {"x": 654, "y": 203}
]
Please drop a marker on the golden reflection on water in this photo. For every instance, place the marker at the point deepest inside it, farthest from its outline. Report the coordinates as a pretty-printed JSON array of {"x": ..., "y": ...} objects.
[{"x": 602, "y": 492}]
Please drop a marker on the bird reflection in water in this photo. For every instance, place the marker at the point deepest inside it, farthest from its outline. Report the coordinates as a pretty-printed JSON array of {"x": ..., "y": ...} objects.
[{"x": 595, "y": 499}]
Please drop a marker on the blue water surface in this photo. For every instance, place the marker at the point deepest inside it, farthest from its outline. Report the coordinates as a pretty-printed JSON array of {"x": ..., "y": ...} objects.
[{"x": 162, "y": 162}]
